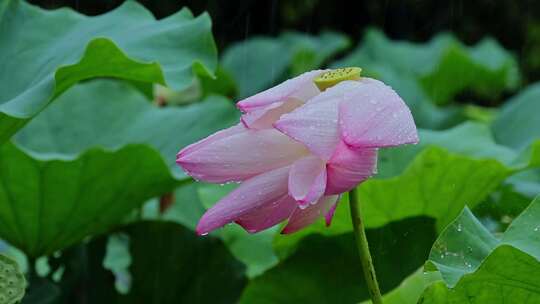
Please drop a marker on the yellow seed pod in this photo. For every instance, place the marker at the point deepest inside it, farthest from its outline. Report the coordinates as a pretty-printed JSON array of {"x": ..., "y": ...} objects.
[{"x": 333, "y": 77}]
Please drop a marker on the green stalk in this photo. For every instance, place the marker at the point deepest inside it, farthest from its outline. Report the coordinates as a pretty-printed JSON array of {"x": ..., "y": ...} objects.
[{"x": 363, "y": 249}]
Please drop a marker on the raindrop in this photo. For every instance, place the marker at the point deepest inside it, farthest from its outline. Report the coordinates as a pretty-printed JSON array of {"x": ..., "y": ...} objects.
[
  {"x": 459, "y": 228},
  {"x": 203, "y": 234},
  {"x": 537, "y": 228}
]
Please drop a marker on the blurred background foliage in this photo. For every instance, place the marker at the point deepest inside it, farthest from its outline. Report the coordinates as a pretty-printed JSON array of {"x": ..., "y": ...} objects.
[
  {"x": 90, "y": 193},
  {"x": 515, "y": 24}
]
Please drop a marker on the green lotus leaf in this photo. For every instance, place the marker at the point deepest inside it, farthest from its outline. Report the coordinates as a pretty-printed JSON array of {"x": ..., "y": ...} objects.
[
  {"x": 69, "y": 174},
  {"x": 46, "y": 52},
  {"x": 478, "y": 267}
]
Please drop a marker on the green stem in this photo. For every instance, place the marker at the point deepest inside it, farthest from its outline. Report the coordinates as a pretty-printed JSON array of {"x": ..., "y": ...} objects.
[{"x": 363, "y": 249}]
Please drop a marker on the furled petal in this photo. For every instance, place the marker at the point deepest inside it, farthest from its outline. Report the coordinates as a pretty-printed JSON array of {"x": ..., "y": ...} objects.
[
  {"x": 348, "y": 167},
  {"x": 251, "y": 195},
  {"x": 307, "y": 180},
  {"x": 373, "y": 115},
  {"x": 268, "y": 215},
  {"x": 237, "y": 129},
  {"x": 300, "y": 218},
  {"x": 330, "y": 214},
  {"x": 238, "y": 155},
  {"x": 315, "y": 124},
  {"x": 300, "y": 87},
  {"x": 264, "y": 118}
]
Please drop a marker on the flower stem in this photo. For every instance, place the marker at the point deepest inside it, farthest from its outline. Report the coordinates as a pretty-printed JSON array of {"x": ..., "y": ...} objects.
[{"x": 363, "y": 249}]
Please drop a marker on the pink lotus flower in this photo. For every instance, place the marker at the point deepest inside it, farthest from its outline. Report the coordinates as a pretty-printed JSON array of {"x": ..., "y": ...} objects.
[{"x": 297, "y": 149}]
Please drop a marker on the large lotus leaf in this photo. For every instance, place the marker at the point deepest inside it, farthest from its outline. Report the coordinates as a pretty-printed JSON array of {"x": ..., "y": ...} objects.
[
  {"x": 120, "y": 116},
  {"x": 436, "y": 184},
  {"x": 517, "y": 123},
  {"x": 45, "y": 52},
  {"x": 327, "y": 269},
  {"x": 443, "y": 67},
  {"x": 428, "y": 180},
  {"x": 170, "y": 264},
  {"x": 477, "y": 267},
  {"x": 48, "y": 204},
  {"x": 260, "y": 62},
  {"x": 468, "y": 139},
  {"x": 56, "y": 189}
]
